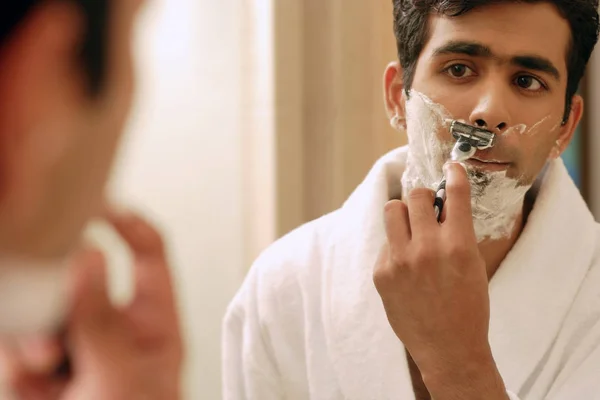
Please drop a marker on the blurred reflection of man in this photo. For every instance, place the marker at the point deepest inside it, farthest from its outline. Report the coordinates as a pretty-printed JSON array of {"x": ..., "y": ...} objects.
[{"x": 66, "y": 85}]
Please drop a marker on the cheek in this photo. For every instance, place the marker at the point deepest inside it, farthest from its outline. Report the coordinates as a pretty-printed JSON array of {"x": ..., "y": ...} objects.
[
  {"x": 458, "y": 103},
  {"x": 533, "y": 155},
  {"x": 448, "y": 106},
  {"x": 535, "y": 140}
]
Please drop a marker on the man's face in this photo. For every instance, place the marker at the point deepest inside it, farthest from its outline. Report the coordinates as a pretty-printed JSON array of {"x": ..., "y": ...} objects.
[
  {"x": 503, "y": 67},
  {"x": 58, "y": 142}
]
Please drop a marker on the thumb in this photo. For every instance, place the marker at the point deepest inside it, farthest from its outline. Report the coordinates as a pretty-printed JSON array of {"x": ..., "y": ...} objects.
[{"x": 459, "y": 215}]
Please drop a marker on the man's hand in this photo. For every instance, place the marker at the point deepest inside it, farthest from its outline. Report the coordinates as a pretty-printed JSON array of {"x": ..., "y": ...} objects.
[
  {"x": 434, "y": 286},
  {"x": 117, "y": 354}
]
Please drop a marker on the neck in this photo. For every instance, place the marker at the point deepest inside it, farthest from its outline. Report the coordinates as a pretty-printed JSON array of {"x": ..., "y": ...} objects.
[{"x": 494, "y": 251}]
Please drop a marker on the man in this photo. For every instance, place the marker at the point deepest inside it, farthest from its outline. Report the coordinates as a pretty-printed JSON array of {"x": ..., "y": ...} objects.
[
  {"x": 66, "y": 85},
  {"x": 500, "y": 298}
]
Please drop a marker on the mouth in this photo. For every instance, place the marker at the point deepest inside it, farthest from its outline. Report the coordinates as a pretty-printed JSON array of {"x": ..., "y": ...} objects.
[{"x": 488, "y": 165}]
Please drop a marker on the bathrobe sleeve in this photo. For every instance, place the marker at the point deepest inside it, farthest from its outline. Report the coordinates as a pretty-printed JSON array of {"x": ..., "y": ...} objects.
[{"x": 249, "y": 372}]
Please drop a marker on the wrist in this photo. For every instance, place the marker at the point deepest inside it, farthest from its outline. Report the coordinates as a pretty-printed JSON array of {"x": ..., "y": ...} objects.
[{"x": 472, "y": 377}]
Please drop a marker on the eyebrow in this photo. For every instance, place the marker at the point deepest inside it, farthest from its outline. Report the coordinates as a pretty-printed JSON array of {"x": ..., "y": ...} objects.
[
  {"x": 468, "y": 48},
  {"x": 537, "y": 64},
  {"x": 475, "y": 49}
]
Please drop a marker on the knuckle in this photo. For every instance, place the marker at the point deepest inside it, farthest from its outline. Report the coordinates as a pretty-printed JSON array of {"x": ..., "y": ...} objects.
[
  {"x": 393, "y": 207},
  {"x": 425, "y": 255},
  {"x": 458, "y": 252},
  {"x": 152, "y": 340},
  {"x": 421, "y": 194},
  {"x": 459, "y": 188},
  {"x": 388, "y": 268},
  {"x": 399, "y": 260},
  {"x": 382, "y": 278}
]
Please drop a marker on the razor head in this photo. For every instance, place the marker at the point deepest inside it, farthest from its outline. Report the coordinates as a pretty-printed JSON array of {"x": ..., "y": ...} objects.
[{"x": 477, "y": 137}]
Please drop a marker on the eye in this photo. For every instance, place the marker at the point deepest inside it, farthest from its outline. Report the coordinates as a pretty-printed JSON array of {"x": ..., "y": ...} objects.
[
  {"x": 529, "y": 83},
  {"x": 459, "y": 71}
]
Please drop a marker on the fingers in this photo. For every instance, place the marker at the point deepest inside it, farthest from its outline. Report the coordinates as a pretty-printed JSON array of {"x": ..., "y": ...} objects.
[
  {"x": 397, "y": 223},
  {"x": 28, "y": 365},
  {"x": 92, "y": 309},
  {"x": 153, "y": 309},
  {"x": 411, "y": 219},
  {"x": 142, "y": 238},
  {"x": 152, "y": 276},
  {"x": 24, "y": 357},
  {"x": 13, "y": 369},
  {"x": 459, "y": 217},
  {"x": 443, "y": 215},
  {"x": 421, "y": 212},
  {"x": 95, "y": 327}
]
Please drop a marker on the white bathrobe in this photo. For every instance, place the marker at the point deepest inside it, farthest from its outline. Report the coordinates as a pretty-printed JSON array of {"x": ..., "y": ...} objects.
[{"x": 309, "y": 324}]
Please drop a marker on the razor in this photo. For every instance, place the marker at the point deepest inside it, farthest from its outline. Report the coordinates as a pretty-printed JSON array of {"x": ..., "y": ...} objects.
[
  {"x": 469, "y": 139},
  {"x": 477, "y": 137}
]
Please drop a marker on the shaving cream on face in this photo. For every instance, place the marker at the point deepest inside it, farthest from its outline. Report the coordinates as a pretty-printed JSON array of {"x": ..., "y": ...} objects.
[
  {"x": 496, "y": 199},
  {"x": 427, "y": 153},
  {"x": 522, "y": 129}
]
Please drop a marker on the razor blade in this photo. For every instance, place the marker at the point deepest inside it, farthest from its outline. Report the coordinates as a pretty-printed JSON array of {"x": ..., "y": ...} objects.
[{"x": 477, "y": 137}]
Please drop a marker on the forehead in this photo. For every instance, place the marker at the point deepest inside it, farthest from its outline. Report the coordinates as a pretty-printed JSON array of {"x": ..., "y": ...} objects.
[{"x": 508, "y": 29}]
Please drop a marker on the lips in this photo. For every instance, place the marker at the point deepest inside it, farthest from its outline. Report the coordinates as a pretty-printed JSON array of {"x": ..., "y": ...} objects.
[
  {"x": 490, "y": 157},
  {"x": 488, "y": 160},
  {"x": 488, "y": 164}
]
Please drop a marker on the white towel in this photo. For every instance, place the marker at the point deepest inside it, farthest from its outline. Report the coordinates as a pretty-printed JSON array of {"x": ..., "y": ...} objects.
[{"x": 309, "y": 324}]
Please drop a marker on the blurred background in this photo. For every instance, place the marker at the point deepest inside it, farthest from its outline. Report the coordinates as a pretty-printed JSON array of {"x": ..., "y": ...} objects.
[{"x": 252, "y": 118}]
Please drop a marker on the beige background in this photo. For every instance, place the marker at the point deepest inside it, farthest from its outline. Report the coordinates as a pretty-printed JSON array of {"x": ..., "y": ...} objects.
[
  {"x": 340, "y": 50},
  {"x": 322, "y": 114}
]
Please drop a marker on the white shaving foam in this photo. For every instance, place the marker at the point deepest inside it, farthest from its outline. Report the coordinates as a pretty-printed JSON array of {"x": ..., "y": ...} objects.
[
  {"x": 535, "y": 126},
  {"x": 496, "y": 199},
  {"x": 520, "y": 129}
]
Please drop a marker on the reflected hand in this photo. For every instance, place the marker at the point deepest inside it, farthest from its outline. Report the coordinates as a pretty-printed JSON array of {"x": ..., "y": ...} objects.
[{"x": 126, "y": 353}]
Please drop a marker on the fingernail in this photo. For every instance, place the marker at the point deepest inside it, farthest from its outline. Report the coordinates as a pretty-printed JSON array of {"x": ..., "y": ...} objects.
[{"x": 453, "y": 164}]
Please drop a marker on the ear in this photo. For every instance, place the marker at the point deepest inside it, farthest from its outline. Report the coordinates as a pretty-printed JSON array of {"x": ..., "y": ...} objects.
[
  {"x": 41, "y": 85},
  {"x": 393, "y": 90},
  {"x": 40, "y": 62},
  {"x": 567, "y": 131}
]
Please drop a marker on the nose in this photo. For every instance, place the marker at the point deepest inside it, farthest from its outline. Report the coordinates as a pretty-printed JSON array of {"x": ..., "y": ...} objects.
[{"x": 491, "y": 111}]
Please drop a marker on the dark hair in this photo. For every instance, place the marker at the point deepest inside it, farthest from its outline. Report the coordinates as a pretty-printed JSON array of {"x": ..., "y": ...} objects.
[
  {"x": 411, "y": 30},
  {"x": 93, "y": 47}
]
